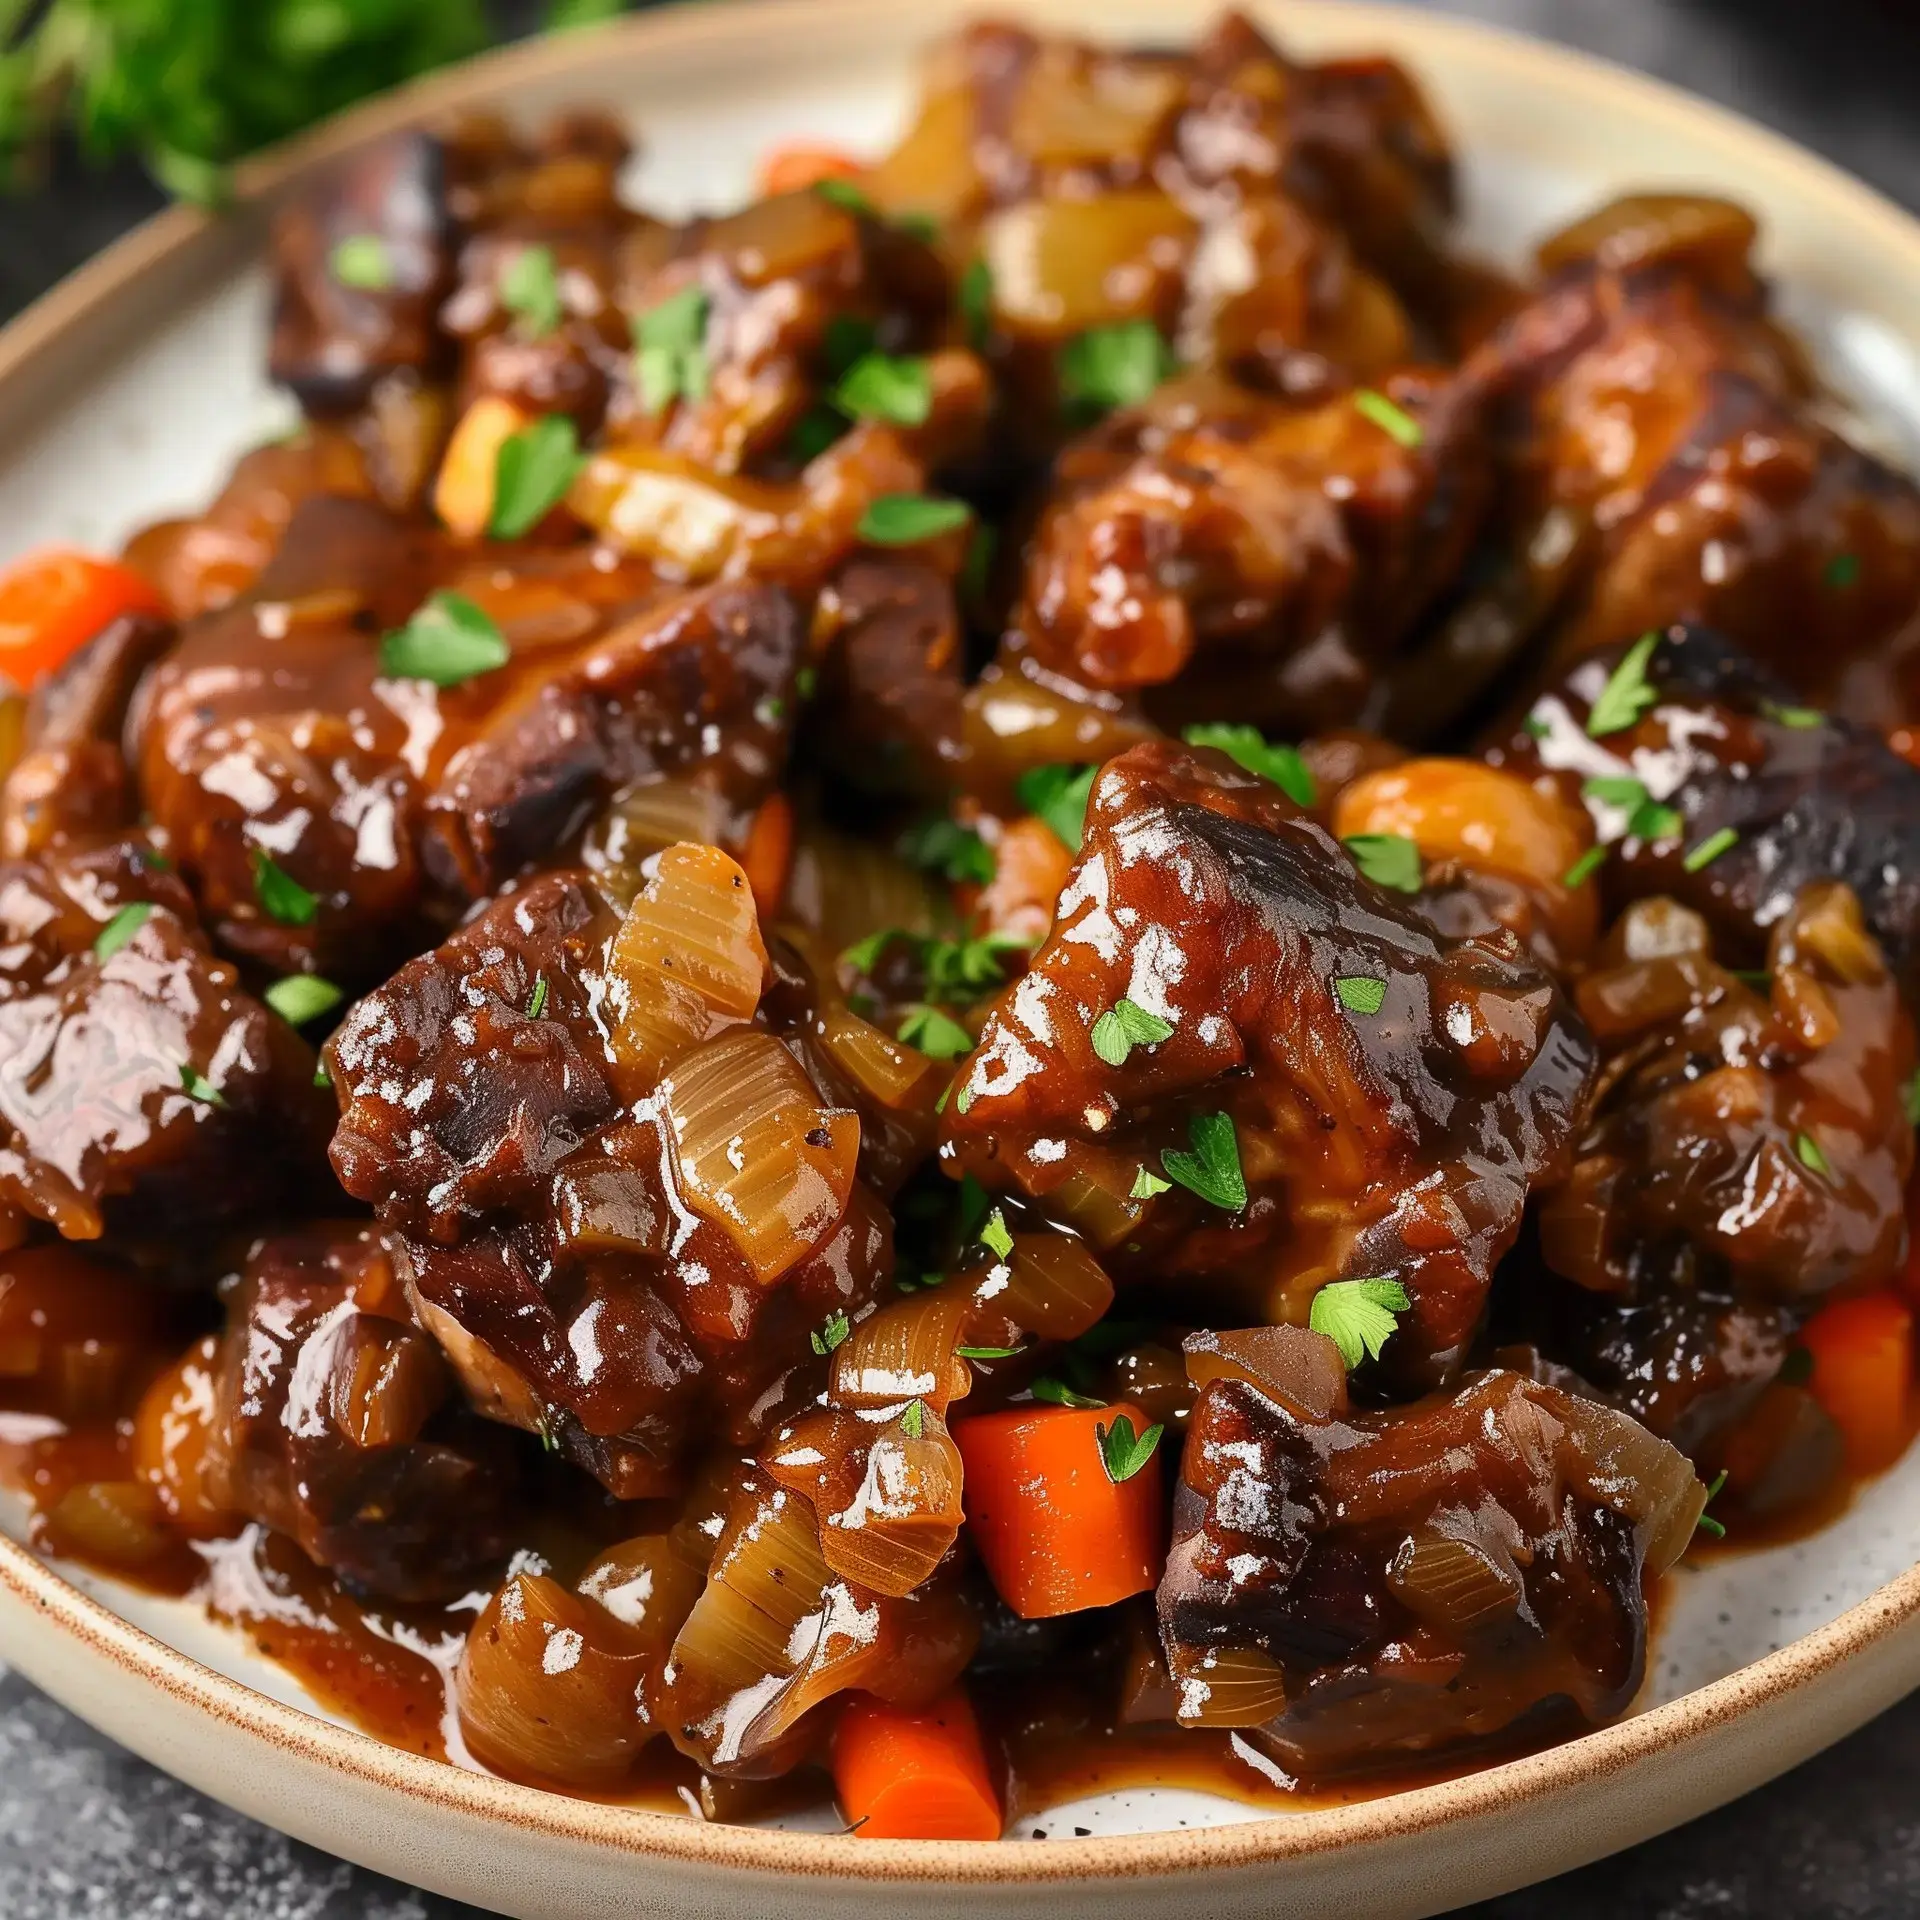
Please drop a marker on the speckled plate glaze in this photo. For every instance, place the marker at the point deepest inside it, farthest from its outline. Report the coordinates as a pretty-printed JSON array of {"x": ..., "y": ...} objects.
[{"x": 125, "y": 395}]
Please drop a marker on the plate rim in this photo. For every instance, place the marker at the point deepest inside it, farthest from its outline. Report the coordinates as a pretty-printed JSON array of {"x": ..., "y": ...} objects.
[{"x": 86, "y": 300}]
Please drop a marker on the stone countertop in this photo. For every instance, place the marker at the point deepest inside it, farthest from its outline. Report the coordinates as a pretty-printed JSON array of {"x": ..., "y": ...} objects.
[{"x": 87, "y": 1832}]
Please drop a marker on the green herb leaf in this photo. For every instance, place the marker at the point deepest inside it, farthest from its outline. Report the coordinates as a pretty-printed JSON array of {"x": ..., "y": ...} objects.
[
  {"x": 1059, "y": 795},
  {"x": 814, "y": 432},
  {"x": 913, "y": 1422},
  {"x": 976, "y": 302},
  {"x": 1910, "y": 1098},
  {"x": 1359, "y": 994},
  {"x": 530, "y": 291},
  {"x": 1212, "y": 1169},
  {"x": 536, "y": 1005},
  {"x": 947, "y": 848},
  {"x": 196, "y": 1086},
  {"x": 1388, "y": 417},
  {"x": 1584, "y": 868},
  {"x": 1807, "y": 1150},
  {"x": 363, "y": 262},
  {"x": 1146, "y": 1184},
  {"x": 977, "y": 568},
  {"x": 282, "y": 898},
  {"x": 1842, "y": 571},
  {"x": 1120, "y": 1452},
  {"x": 301, "y": 997},
  {"x": 1710, "y": 849},
  {"x": 1113, "y": 366},
  {"x": 995, "y": 1237},
  {"x": 121, "y": 928},
  {"x": 1647, "y": 818},
  {"x": 847, "y": 197},
  {"x": 987, "y": 1353},
  {"x": 833, "y": 1334},
  {"x": 1124, "y": 1026},
  {"x": 1251, "y": 749},
  {"x": 449, "y": 641},
  {"x": 885, "y": 386},
  {"x": 1799, "y": 718},
  {"x": 321, "y": 1077},
  {"x": 1056, "y": 1393},
  {"x": 1387, "y": 859},
  {"x": 1627, "y": 694},
  {"x": 905, "y": 519},
  {"x": 1707, "y": 1524},
  {"x": 846, "y": 339},
  {"x": 670, "y": 359},
  {"x": 1536, "y": 727},
  {"x": 864, "y": 955},
  {"x": 532, "y": 473},
  {"x": 936, "y": 1034},
  {"x": 1358, "y": 1315}
]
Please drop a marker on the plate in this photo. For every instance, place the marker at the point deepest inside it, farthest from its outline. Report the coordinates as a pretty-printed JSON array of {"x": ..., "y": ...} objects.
[{"x": 126, "y": 393}]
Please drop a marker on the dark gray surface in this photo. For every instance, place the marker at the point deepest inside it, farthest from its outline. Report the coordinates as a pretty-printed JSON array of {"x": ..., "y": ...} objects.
[{"x": 86, "y": 1830}]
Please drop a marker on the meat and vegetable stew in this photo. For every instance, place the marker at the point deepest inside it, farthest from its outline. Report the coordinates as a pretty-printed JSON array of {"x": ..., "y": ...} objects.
[{"x": 1052, "y": 964}]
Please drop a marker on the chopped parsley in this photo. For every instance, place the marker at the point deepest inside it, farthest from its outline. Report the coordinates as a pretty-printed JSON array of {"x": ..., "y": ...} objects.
[
  {"x": 1147, "y": 1183},
  {"x": 1121, "y": 1453},
  {"x": 976, "y": 302},
  {"x": 362, "y": 261},
  {"x": 1390, "y": 418},
  {"x": 956, "y": 971},
  {"x": 449, "y": 641},
  {"x": 1056, "y": 1393},
  {"x": 885, "y": 386},
  {"x": 987, "y": 1353},
  {"x": 1807, "y": 1151},
  {"x": 121, "y": 928},
  {"x": 670, "y": 351},
  {"x": 282, "y": 898},
  {"x": 913, "y": 1422},
  {"x": 530, "y": 291},
  {"x": 1799, "y": 718},
  {"x": 1707, "y": 1524},
  {"x": 301, "y": 997},
  {"x": 845, "y": 340},
  {"x": 1058, "y": 795},
  {"x": 1113, "y": 366},
  {"x": 1535, "y": 728},
  {"x": 1212, "y": 1168},
  {"x": 1710, "y": 849},
  {"x": 905, "y": 519},
  {"x": 814, "y": 432},
  {"x": 196, "y": 1086},
  {"x": 1124, "y": 1026},
  {"x": 1249, "y": 748},
  {"x": 532, "y": 473},
  {"x": 1627, "y": 694},
  {"x": 1387, "y": 859},
  {"x": 1584, "y": 868},
  {"x": 537, "y": 1000},
  {"x": 1358, "y": 1315},
  {"x": 1359, "y": 993},
  {"x": 847, "y": 197},
  {"x": 833, "y": 1334},
  {"x": 995, "y": 1237},
  {"x": 1647, "y": 818},
  {"x": 935, "y": 1034},
  {"x": 947, "y": 848}
]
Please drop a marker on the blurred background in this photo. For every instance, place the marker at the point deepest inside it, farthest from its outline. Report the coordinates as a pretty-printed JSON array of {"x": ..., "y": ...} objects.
[{"x": 110, "y": 107}]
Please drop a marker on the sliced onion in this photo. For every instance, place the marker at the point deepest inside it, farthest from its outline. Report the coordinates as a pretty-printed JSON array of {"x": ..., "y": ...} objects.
[
  {"x": 118, "y": 1523},
  {"x": 1300, "y": 1369},
  {"x": 904, "y": 1515},
  {"x": 905, "y": 1352},
  {"x": 1101, "y": 1214},
  {"x": 1053, "y": 1287},
  {"x": 1227, "y": 1687},
  {"x": 643, "y": 821},
  {"x": 649, "y": 1585},
  {"x": 1623, "y": 1466},
  {"x": 388, "y": 1384},
  {"x": 758, "y": 1154},
  {"x": 897, "y": 1076},
  {"x": 1453, "y": 1583},
  {"x": 842, "y": 889}
]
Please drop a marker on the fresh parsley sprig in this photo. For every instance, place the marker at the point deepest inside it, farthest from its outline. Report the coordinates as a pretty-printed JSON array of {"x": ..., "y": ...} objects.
[
  {"x": 1358, "y": 1315},
  {"x": 1121, "y": 1452},
  {"x": 1271, "y": 760}
]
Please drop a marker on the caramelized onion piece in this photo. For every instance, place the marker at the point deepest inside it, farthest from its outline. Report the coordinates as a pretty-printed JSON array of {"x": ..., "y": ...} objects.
[
  {"x": 1452, "y": 1581},
  {"x": 1226, "y": 1687},
  {"x": 757, "y": 1153},
  {"x": 548, "y": 1687},
  {"x": 115, "y": 1523},
  {"x": 694, "y": 921},
  {"x": 893, "y": 1074},
  {"x": 905, "y": 1352},
  {"x": 180, "y": 1443},
  {"x": 649, "y": 1584},
  {"x": 1623, "y": 1466},
  {"x": 1050, "y": 1286},
  {"x": 1301, "y": 1370},
  {"x": 642, "y": 822}
]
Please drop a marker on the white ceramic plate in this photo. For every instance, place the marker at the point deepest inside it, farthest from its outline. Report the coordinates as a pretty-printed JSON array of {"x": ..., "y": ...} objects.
[{"x": 127, "y": 393}]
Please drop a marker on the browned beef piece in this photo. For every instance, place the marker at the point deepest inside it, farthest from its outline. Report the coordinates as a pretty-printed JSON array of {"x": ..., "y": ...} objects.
[
  {"x": 336, "y": 1427},
  {"x": 539, "y": 1218},
  {"x": 1721, "y": 748},
  {"x": 1356, "y": 1588},
  {"x": 143, "y": 1091},
  {"x": 1392, "y": 1094},
  {"x": 271, "y": 730}
]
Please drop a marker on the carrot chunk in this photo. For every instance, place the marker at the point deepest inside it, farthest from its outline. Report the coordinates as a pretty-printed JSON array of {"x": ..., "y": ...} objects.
[
  {"x": 914, "y": 1776},
  {"x": 788, "y": 169},
  {"x": 1862, "y": 1365},
  {"x": 1056, "y": 1530},
  {"x": 463, "y": 490},
  {"x": 53, "y": 602}
]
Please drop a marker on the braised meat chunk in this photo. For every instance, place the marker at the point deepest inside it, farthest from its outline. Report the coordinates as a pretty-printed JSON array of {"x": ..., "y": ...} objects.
[
  {"x": 1354, "y": 1588},
  {"x": 1241, "y": 1065}
]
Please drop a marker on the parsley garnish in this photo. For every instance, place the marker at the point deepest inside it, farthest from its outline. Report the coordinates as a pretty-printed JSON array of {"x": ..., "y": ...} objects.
[
  {"x": 530, "y": 291},
  {"x": 1647, "y": 818},
  {"x": 936, "y": 1034},
  {"x": 196, "y": 1086},
  {"x": 1120, "y": 1453},
  {"x": 1113, "y": 366},
  {"x": 945, "y": 847},
  {"x": 847, "y": 197},
  {"x": 1056, "y": 1393},
  {"x": 1124, "y": 1026},
  {"x": 1535, "y": 727},
  {"x": 1251, "y": 749},
  {"x": 1212, "y": 1169},
  {"x": 537, "y": 1000},
  {"x": 670, "y": 357},
  {"x": 833, "y": 1334},
  {"x": 814, "y": 432},
  {"x": 1146, "y": 1184},
  {"x": 1388, "y": 417},
  {"x": 995, "y": 1237},
  {"x": 363, "y": 262},
  {"x": 532, "y": 473},
  {"x": 1627, "y": 694},
  {"x": 321, "y": 1077},
  {"x": 1799, "y": 718},
  {"x": 281, "y": 896},
  {"x": 1058, "y": 794},
  {"x": 846, "y": 339},
  {"x": 1360, "y": 994},
  {"x": 1842, "y": 570},
  {"x": 986, "y": 1353},
  {"x": 1707, "y": 1523},
  {"x": 1358, "y": 1315},
  {"x": 448, "y": 642},
  {"x": 905, "y": 519},
  {"x": 301, "y": 997},
  {"x": 1710, "y": 849},
  {"x": 1807, "y": 1151},
  {"x": 976, "y": 302},
  {"x": 1387, "y": 859},
  {"x": 1584, "y": 868},
  {"x": 121, "y": 928},
  {"x": 913, "y": 1422},
  {"x": 885, "y": 386}
]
